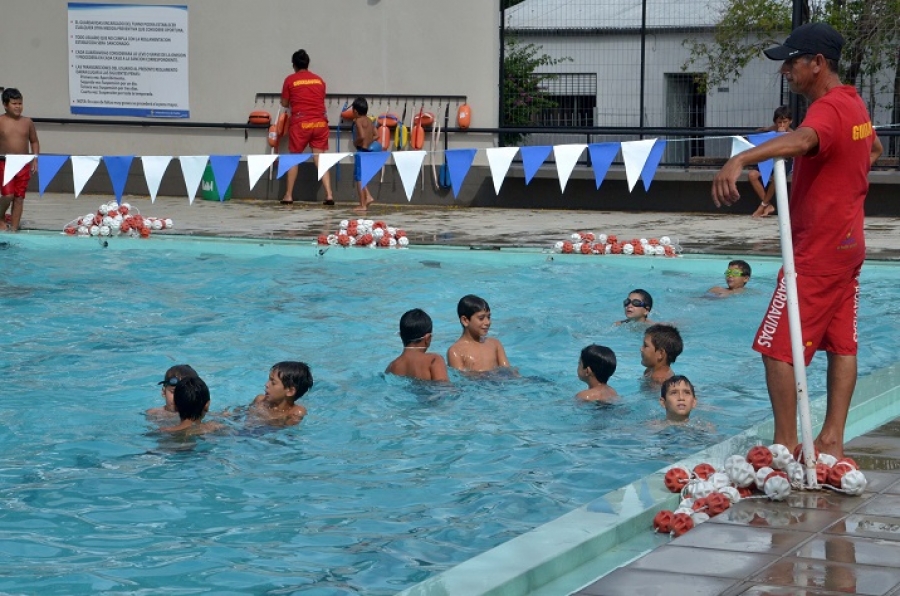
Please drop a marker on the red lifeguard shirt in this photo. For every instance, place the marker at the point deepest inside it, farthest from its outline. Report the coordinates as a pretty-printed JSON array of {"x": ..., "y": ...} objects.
[
  {"x": 305, "y": 92},
  {"x": 829, "y": 188}
]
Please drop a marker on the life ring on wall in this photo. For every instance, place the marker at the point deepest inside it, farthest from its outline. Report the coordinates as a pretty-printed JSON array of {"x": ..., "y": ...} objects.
[
  {"x": 259, "y": 118},
  {"x": 389, "y": 119},
  {"x": 425, "y": 119},
  {"x": 383, "y": 136},
  {"x": 464, "y": 116},
  {"x": 281, "y": 125},
  {"x": 347, "y": 114}
]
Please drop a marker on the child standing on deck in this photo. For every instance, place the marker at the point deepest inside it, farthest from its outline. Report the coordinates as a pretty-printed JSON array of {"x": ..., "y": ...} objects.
[
  {"x": 288, "y": 382},
  {"x": 662, "y": 346},
  {"x": 414, "y": 362},
  {"x": 596, "y": 365},
  {"x": 474, "y": 351},
  {"x": 781, "y": 122},
  {"x": 17, "y": 135},
  {"x": 364, "y": 139}
]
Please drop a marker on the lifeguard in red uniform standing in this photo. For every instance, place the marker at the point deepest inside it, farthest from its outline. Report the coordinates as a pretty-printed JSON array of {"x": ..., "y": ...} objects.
[{"x": 304, "y": 93}]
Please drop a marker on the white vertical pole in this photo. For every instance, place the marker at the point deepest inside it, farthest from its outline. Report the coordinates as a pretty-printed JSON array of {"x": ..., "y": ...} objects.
[{"x": 793, "y": 308}]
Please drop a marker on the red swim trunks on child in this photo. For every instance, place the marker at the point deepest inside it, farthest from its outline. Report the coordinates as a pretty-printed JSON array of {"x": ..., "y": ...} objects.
[
  {"x": 18, "y": 185},
  {"x": 828, "y": 311},
  {"x": 314, "y": 134}
]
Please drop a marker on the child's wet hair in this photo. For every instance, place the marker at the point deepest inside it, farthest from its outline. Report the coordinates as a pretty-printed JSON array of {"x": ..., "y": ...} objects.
[
  {"x": 415, "y": 324},
  {"x": 674, "y": 380},
  {"x": 191, "y": 398},
  {"x": 646, "y": 298},
  {"x": 744, "y": 266},
  {"x": 294, "y": 375},
  {"x": 666, "y": 338},
  {"x": 601, "y": 360},
  {"x": 471, "y": 304},
  {"x": 360, "y": 106}
]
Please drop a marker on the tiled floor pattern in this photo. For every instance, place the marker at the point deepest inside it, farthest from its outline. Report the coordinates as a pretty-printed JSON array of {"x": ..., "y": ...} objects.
[{"x": 817, "y": 542}]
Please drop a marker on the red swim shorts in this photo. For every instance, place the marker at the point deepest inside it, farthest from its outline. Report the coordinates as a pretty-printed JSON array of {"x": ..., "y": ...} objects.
[
  {"x": 19, "y": 183},
  {"x": 828, "y": 310},
  {"x": 314, "y": 134}
]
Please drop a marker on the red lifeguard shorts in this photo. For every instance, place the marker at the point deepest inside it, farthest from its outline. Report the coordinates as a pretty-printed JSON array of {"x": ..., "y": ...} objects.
[
  {"x": 19, "y": 183},
  {"x": 828, "y": 311},
  {"x": 314, "y": 134}
]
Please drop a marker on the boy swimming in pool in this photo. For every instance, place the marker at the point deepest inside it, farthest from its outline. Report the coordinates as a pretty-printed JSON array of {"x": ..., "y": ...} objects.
[
  {"x": 637, "y": 307},
  {"x": 596, "y": 365},
  {"x": 191, "y": 396},
  {"x": 474, "y": 351},
  {"x": 414, "y": 362},
  {"x": 170, "y": 379},
  {"x": 736, "y": 277},
  {"x": 678, "y": 398},
  {"x": 662, "y": 346},
  {"x": 288, "y": 382}
]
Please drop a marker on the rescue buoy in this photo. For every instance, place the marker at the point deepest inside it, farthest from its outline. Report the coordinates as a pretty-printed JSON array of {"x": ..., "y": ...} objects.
[
  {"x": 384, "y": 136},
  {"x": 388, "y": 119},
  {"x": 282, "y": 125},
  {"x": 272, "y": 137},
  {"x": 347, "y": 114},
  {"x": 464, "y": 116},
  {"x": 425, "y": 119},
  {"x": 259, "y": 118}
]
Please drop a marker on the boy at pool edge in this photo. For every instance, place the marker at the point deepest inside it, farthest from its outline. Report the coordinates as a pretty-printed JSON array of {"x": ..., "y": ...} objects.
[
  {"x": 170, "y": 379},
  {"x": 596, "y": 365},
  {"x": 288, "y": 382},
  {"x": 474, "y": 351},
  {"x": 678, "y": 398},
  {"x": 191, "y": 397},
  {"x": 662, "y": 346},
  {"x": 637, "y": 307},
  {"x": 414, "y": 362},
  {"x": 736, "y": 277}
]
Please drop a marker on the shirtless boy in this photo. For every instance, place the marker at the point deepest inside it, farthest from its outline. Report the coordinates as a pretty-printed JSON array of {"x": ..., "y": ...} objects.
[
  {"x": 17, "y": 133},
  {"x": 596, "y": 365},
  {"x": 414, "y": 362},
  {"x": 192, "y": 403},
  {"x": 288, "y": 382},
  {"x": 474, "y": 351},
  {"x": 662, "y": 346}
]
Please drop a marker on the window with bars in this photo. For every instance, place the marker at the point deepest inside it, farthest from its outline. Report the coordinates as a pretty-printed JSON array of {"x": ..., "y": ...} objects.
[{"x": 573, "y": 97}]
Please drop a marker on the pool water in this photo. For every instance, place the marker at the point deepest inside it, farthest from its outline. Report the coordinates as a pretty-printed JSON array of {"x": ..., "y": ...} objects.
[{"x": 386, "y": 482}]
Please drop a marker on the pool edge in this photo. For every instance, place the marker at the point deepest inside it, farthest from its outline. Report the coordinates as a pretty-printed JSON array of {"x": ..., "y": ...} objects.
[{"x": 583, "y": 545}]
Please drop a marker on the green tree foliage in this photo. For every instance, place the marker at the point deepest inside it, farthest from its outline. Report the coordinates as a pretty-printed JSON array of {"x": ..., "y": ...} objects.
[{"x": 524, "y": 96}]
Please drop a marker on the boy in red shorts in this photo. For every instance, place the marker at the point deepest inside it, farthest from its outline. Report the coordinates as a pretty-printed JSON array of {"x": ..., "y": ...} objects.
[
  {"x": 304, "y": 93},
  {"x": 16, "y": 134}
]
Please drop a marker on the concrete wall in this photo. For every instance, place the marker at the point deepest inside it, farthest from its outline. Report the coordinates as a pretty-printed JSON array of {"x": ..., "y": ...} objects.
[{"x": 239, "y": 48}]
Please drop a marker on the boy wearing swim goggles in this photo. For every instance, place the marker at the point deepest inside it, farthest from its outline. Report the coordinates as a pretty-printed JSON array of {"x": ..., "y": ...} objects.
[
  {"x": 637, "y": 307},
  {"x": 171, "y": 378},
  {"x": 736, "y": 277}
]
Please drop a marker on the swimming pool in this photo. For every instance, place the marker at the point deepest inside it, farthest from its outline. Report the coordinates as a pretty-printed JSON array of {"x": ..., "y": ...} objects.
[{"x": 384, "y": 484}]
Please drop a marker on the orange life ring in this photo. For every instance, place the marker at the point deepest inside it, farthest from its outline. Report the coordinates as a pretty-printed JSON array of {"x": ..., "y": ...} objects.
[
  {"x": 417, "y": 138},
  {"x": 426, "y": 118},
  {"x": 273, "y": 136},
  {"x": 259, "y": 118},
  {"x": 464, "y": 116},
  {"x": 389, "y": 119},
  {"x": 384, "y": 136},
  {"x": 347, "y": 114},
  {"x": 282, "y": 125}
]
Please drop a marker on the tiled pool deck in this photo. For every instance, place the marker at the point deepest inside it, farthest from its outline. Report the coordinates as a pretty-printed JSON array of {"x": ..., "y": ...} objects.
[{"x": 816, "y": 542}]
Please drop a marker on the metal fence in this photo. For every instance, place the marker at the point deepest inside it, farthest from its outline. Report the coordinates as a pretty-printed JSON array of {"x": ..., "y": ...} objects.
[{"x": 601, "y": 70}]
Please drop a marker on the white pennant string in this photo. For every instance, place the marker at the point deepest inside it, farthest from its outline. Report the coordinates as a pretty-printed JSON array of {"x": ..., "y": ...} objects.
[
  {"x": 408, "y": 164},
  {"x": 192, "y": 167},
  {"x": 566, "y": 156},
  {"x": 83, "y": 167},
  {"x": 257, "y": 164},
  {"x": 327, "y": 160},
  {"x": 499, "y": 159},
  {"x": 154, "y": 168},
  {"x": 14, "y": 165},
  {"x": 635, "y": 154}
]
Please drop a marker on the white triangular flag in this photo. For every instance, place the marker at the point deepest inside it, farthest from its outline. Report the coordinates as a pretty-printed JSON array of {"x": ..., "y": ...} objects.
[
  {"x": 739, "y": 145},
  {"x": 408, "y": 164},
  {"x": 326, "y": 160},
  {"x": 566, "y": 156},
  {"x": 257, "y": 164},
  {"x": 635, "y": 154},
  {"x": 500, "y": 158},
  {"x": 192, "y": 167},
  {"x": 83, "y": 167},
  {"x": 154, "y": 169},
  {"x": 14, "y": 164}
]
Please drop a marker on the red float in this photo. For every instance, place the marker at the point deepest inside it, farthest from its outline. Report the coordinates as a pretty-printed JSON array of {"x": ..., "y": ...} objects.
[
  {"x": 716, "y": 503},
  {"x": 662, "y": 523},
  {"x": 704, "y": 471},
  {"x": 681, "y": 523},
  {"x": 759, "y": 457},
  {"x": 675, "y": 479}
]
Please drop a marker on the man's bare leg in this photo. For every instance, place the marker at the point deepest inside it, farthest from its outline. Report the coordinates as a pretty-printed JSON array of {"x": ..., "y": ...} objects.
[
  {"x": 783, "y": 395},
  {"x": 5, "y": 202},
  {"x": 841, "y": 383},
  {"x": 289, "y": 185},
  {"x": 18, "y": 204},
  {"x": 326, "y": 178}
]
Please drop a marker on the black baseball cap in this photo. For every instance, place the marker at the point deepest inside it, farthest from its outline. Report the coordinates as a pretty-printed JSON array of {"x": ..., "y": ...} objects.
[{"x": 808, "y": 40}]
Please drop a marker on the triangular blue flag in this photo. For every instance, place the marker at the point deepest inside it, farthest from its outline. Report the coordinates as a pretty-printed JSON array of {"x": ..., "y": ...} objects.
[
  {"x": 533, "y": 158},
  {"x": 117, "y": 166},
  {"x": 765, "y": 167},
  {"x": 458, "y": 163},
  {"x": 370, "y": 162},
  {"x": 602, "y": 156},
  {"x": 649, "y": 169},
  {"x": 289, "y": 160},
  {"x": 223, "y": 167},
  {"x": 48, "y": 167}
]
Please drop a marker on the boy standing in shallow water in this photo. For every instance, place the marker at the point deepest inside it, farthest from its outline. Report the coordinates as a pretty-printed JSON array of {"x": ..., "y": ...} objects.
[
  {"x": 474, "y": 351},
  {"x": 736, "y": 277},
  {"x": 17, "y": 133},
  {"x": 678, "y": 398},
  {"x": 662, "y": 346},
  {"x": 596, "y": 365},
  {"x": 415, "y": 332},
  {"x": 192, "y": 403},
  {"x": 288, "y": 382}
]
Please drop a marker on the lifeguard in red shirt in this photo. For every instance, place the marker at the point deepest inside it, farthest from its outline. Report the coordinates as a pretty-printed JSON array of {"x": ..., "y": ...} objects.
[{"x": 304, "y": 93}]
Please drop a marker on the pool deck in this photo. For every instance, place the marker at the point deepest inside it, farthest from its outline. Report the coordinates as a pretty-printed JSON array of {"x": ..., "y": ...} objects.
[{"x": 815, "y": 543}]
